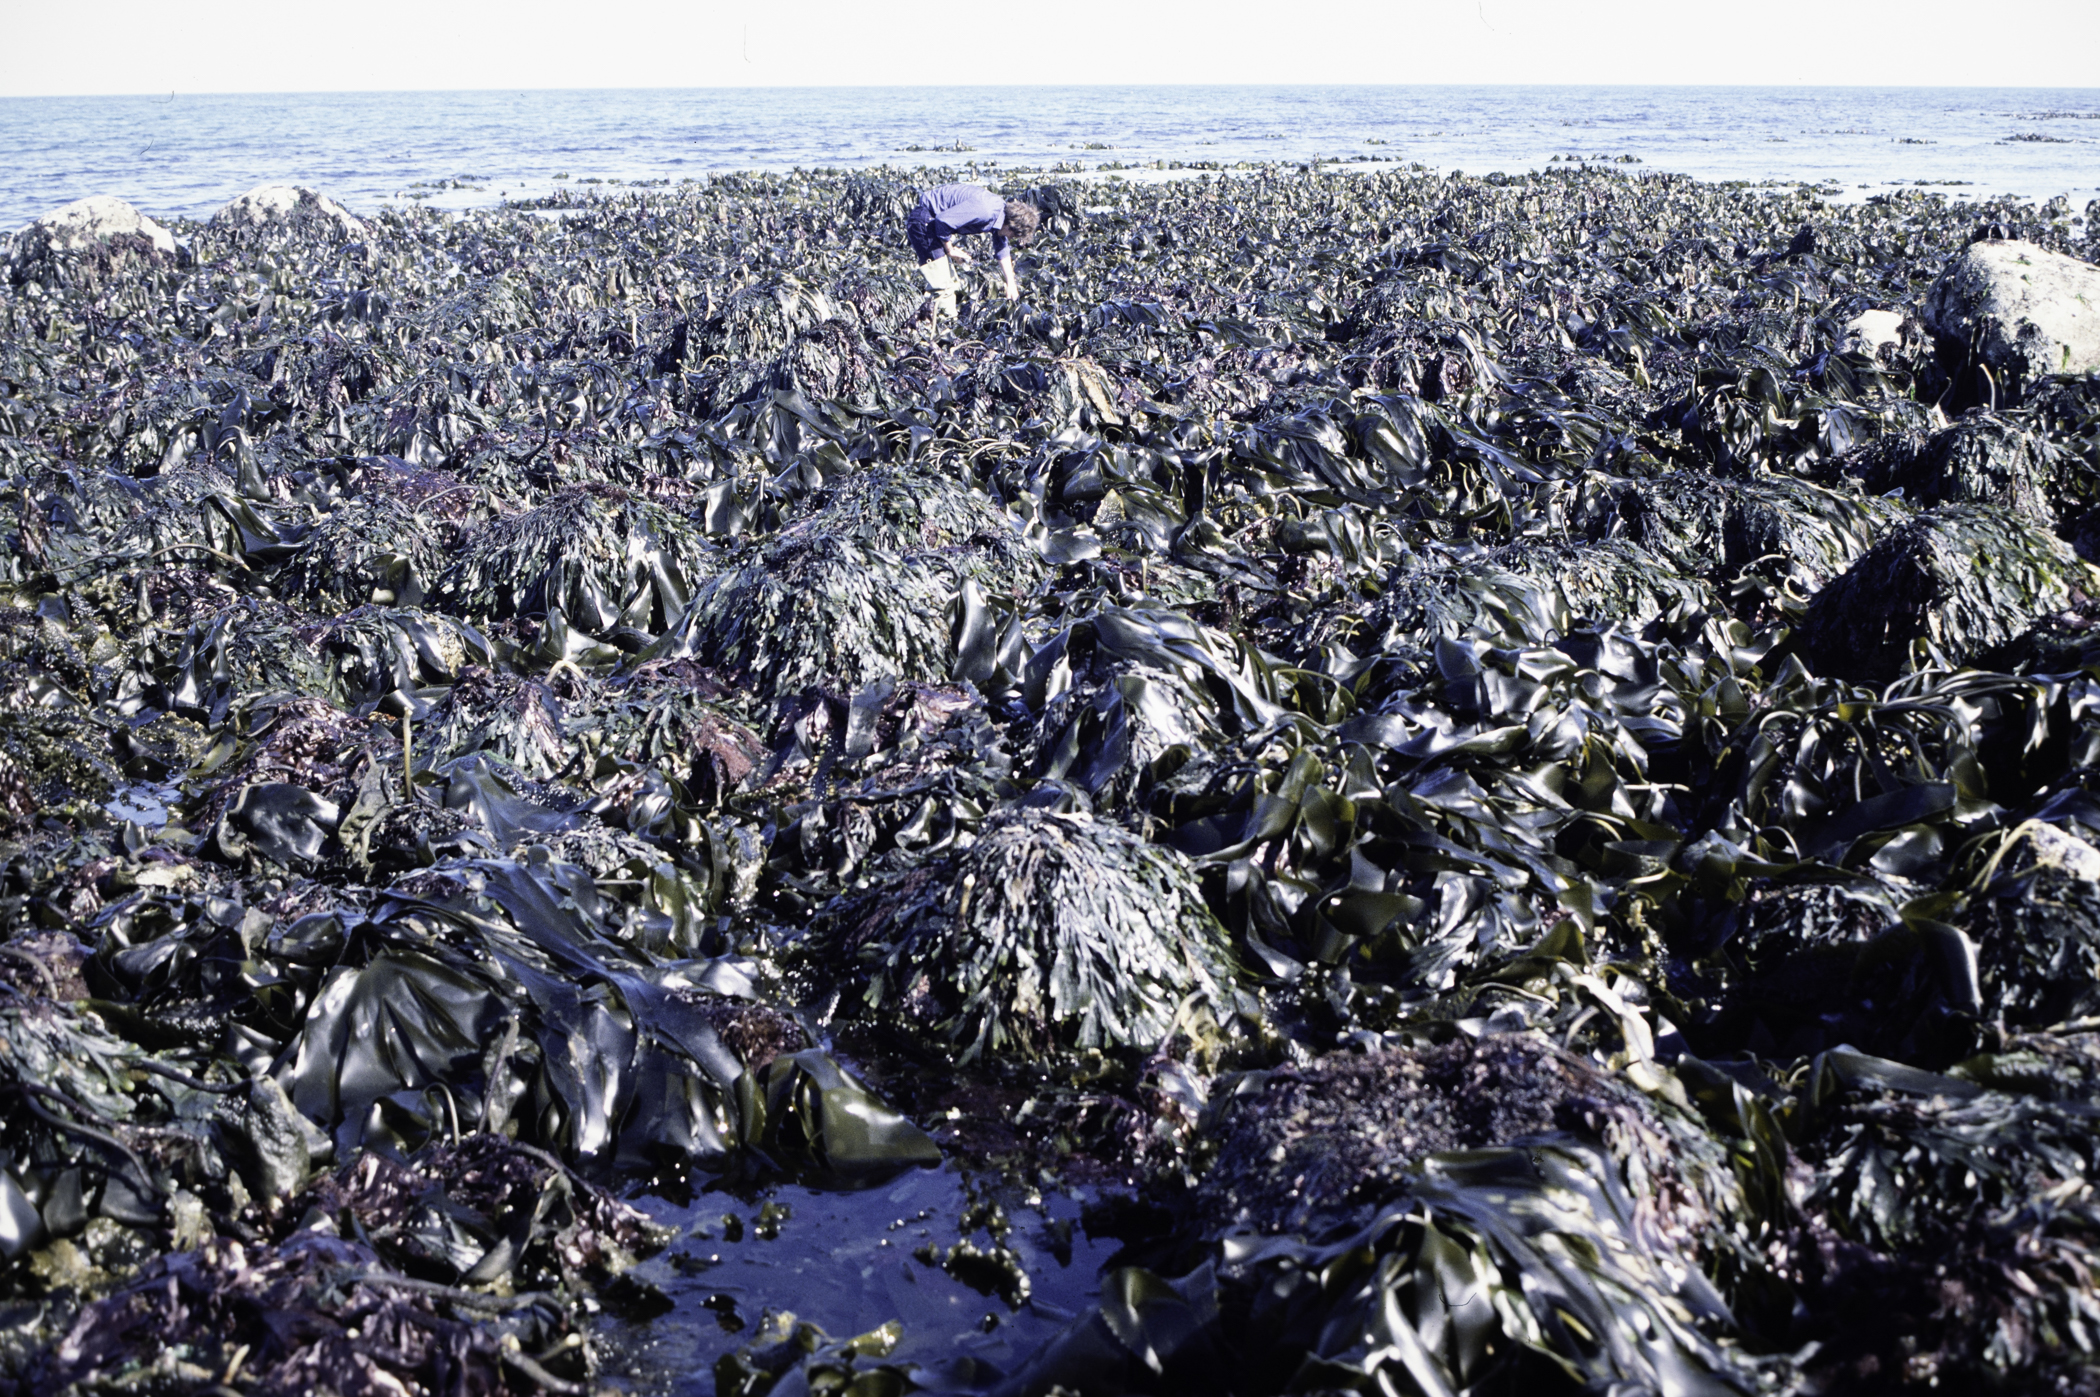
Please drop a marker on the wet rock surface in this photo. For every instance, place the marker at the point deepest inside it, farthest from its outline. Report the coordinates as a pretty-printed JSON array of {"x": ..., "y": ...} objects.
[{"x": 1392, "y": 782}]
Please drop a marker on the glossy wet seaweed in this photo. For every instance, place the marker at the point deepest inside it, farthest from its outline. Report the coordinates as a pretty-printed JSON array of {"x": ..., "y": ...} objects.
[{"x": 1517, "y": 810}]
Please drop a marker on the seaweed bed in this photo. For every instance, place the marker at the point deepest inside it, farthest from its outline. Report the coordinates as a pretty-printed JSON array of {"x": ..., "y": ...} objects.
[{"x": 1449, "y": 767}]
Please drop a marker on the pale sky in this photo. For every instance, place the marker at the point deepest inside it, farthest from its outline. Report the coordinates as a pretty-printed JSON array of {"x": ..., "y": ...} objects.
[{"x": 197, "y": 46}]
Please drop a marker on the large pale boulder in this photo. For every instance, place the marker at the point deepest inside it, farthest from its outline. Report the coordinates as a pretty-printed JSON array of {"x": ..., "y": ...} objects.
[
  {"x": 98, "y": 218},
  {"x": 89, "y": 238},
  {"x": 2020, "y": 310},
  {"x": 286, "y": 204}
]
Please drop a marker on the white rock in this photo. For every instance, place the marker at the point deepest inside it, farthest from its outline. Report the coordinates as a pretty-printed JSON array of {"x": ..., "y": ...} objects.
[
  {"x": 97, "y": 218},
  {"x": 283, "y": 203},
  {"x": 2027, "y": 312},
  {"x": 1868, "y": 331},
  {"x": 2056, "y": 848}
]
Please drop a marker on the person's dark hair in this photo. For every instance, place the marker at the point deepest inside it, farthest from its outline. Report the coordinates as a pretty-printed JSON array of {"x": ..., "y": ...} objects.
[{"x": 1021, "y": 222}]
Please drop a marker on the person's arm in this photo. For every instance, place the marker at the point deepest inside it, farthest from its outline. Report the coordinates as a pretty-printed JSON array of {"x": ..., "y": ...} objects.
[
  {"x": 1006, "y": 265},
  {"x": 961, "y": 255}
]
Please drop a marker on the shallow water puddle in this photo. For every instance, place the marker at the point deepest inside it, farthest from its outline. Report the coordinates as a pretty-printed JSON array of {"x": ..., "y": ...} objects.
[
  {"x": 144, "y": 803},
  {"x": 849, "y": 1263}
]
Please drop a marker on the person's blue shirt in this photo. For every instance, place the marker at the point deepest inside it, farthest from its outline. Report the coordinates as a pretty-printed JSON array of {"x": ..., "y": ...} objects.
[{"x": 954, "y": 211}]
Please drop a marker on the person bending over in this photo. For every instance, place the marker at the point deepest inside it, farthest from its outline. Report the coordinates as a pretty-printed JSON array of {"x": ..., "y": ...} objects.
[{"x": 955, "y": 211}]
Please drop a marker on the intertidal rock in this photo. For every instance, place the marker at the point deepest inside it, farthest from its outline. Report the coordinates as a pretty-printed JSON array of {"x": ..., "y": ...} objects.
[
  {"x": 1485, "y": 1216},
  {"x": 1304, "y": 1149},
  {"x": 269, "y": 205},
  {"x": 1873, "y": 331},
  {"x": 1965, "y": 578},
  {"x": 99, "y": 218},
  {"x": 2020, "y": 310},
  {"x": 85, "y": 240},
  {"x": 1719, "y": 527},
  {"x": 1983, "y": 458}
]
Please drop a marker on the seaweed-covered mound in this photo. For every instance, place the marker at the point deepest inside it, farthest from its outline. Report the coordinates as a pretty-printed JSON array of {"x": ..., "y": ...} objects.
[
  {"x": 599, "y": 556},
  {"x": 1554, "y": 1263},
  {"x": 1939, "y": 1211},
  {"x": 309, "y": 1296},
  {"x": 1723, "y": 528},
  {"x": 1961, "y": 579},
  {"x": 817, "y": 607},
  {"x": 1050, "y": 930},
  {"x": 669, "y": 715},
  {"x": 1502, "y": 773},
  {"x": 1982, "y": 459},
  {"x": 859, "y": 590},
  {"x": 379, "y": 549},
  {"x": 1549, "y": 587}
]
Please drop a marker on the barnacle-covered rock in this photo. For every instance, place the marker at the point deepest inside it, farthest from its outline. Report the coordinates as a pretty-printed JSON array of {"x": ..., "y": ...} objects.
[
  {"x": 287, "y": 205},
  {"x": 54, "y": 761},
  {"x": 1051, "y": 931},
  {"x": 2022, "y": 311},
  {"x": 98, "y": 229},
  {"x": 1304, "y": 1149},
  {"x": 1874, "y": 333},
  {"x": 1552, "y": 1223}
]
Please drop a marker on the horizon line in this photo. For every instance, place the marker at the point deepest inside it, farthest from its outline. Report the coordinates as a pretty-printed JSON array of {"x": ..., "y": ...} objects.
[{"x": 1048, "y": 86}]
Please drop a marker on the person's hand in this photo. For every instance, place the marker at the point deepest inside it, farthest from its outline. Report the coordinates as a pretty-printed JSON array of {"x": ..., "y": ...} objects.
[
  {"x": 1013, "y": 292},
  {"x": 959, "y": 256}
]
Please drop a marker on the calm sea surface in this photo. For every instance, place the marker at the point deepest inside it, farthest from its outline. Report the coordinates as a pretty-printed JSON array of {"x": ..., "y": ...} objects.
[{"x": 185, "y": 155}]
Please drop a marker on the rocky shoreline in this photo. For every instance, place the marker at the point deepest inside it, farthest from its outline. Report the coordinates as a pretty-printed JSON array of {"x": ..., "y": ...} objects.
[{"x": 1498, "y": 774}]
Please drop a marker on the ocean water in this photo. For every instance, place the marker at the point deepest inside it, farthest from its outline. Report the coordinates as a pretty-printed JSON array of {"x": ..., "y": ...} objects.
[{"x": 186, "y": 155}]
